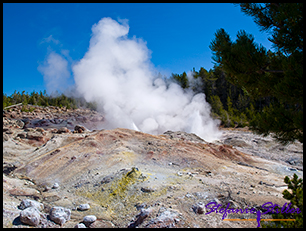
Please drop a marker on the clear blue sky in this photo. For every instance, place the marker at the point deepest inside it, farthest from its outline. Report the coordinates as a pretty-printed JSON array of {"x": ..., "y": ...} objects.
[{"x": 177, "y": 34}]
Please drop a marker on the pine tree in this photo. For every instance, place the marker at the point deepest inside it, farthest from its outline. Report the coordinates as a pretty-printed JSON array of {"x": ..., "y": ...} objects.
[
  {"x": 182, "y": 79},
  {"x": 296, "y": 201},
  {"x": 219, "y": 112},
  {"x": 5, "y": 101},
  {"x": 216, "y": 104},
  {"x": 265, "y": 73}
]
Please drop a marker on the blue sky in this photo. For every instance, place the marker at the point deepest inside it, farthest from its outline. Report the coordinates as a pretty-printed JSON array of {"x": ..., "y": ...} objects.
[{"x": 178, "y": 35}]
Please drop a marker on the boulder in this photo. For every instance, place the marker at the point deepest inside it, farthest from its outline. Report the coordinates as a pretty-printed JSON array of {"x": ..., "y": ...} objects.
[
  {"x": 147, "y": 189},
  {"x": 26, "y": 203},
  {"x": 55, "y": 185},
  {"x": 87, "y": 220},
  {"x": 63, "y": 130},
  {"x": 20, "y": 123},
  {"x": 140, "y": 217},
  {"x": 5, "y": 137},
  {"x": 80, "y": 128},
  {"x": 199, "y": 208},
  {"x": 80, "y": 225},
  {"x": 30, "y": 216},
  {"x": 166, "y": 218},
  {"x": 83, "y": 207},
  {"x": 59, "y": 215}
]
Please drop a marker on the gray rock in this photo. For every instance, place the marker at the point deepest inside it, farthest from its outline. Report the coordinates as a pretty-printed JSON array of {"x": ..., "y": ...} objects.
[
  {"x": 89, "y": 219},
  {"x": 5, "y": 137},
  {"x": 199, "y": 208},
  {"x": 166, "y": 219},
  {"x": 20, "y": 123},
  {"x": 55, "y": 186},
  {"x": 147, "y": 189},
  {"x": 140, "y": 217},
  {"x": 83, "y": 207},
  {"x": 59, "y": 214},
  {"x": 80, "y": 225},
  {"x": 30, "y": 216},
  {"x": 26, "y": 203},
  {"x": 63, "y": 130}
]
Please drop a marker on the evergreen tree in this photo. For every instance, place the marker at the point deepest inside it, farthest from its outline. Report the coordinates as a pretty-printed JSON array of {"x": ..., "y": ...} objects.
[
  {"x": 219, "y": 112},
  {"x": 296, "y": 201},
  {"x": 42, "y": 99},
  {"x": 182, "y": 79},
  {"x": 263, "y": 73},
  {"x": 216, "y": 105},
  {"x": 221, "y": 85},
  {"x": 5, "y": 101}
]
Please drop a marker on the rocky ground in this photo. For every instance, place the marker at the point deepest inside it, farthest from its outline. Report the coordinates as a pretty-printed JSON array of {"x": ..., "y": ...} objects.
[{"x": 84, "y": 176}]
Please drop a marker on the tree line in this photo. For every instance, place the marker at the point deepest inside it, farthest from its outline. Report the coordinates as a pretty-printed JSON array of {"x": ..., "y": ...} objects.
[
  {"x": 276, "y": 76},
  {"x": 229, "y": 103},
  {"x": 43, "y": 99}
]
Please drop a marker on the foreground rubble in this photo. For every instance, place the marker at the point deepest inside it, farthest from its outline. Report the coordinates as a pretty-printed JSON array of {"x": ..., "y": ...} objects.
[{"x": 126, "y": 178}]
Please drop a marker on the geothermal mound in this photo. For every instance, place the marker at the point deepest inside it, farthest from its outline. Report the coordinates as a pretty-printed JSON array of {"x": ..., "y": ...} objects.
[{"x": 126, "y": 178}]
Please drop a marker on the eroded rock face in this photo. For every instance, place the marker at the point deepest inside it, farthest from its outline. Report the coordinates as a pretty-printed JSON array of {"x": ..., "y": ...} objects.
[{"x": 133, "y": 179}]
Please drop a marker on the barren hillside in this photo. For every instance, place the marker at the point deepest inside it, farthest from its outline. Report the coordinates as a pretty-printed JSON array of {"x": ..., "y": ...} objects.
[{"x": 62, "y": 157}]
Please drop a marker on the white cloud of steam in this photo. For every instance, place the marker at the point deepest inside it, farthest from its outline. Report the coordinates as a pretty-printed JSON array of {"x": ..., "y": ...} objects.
[
  {"x": 55, "y": 72},
  {"x": 116, "y": 72},
  {"x": 195, "y": 83}
]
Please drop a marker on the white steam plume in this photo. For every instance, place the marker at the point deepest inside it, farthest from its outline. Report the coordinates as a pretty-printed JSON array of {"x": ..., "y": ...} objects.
[
  {"x": 117, "y": 73},
  {"x": 55, "y": 71}
]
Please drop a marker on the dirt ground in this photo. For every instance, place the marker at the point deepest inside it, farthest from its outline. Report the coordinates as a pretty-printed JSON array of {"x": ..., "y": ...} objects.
[{"x": 123, "y": 173}]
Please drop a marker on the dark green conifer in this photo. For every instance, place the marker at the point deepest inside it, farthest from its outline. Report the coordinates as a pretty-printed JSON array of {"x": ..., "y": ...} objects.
[
  {"x": 295, "y": 197},
  {"x": 263, "y": 73}
]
